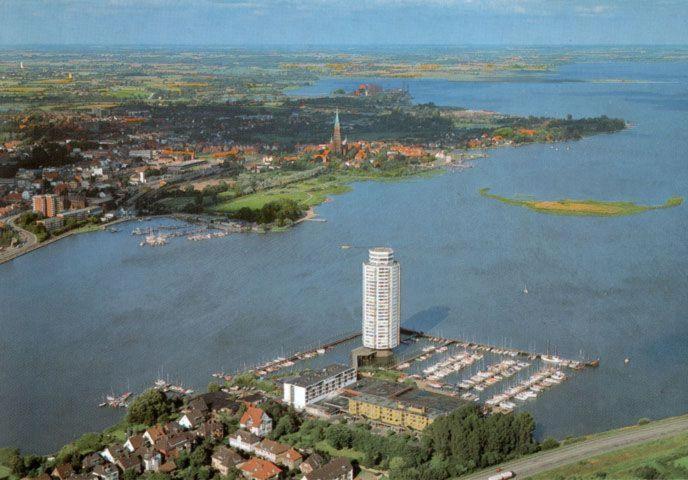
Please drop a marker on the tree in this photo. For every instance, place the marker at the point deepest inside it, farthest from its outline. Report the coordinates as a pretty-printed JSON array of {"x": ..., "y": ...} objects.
[
  {"x": 285, "y": 425},
  {"x": 148, "y": 407},
  {"x": 130, "y": 474},
  {"x": 214, "y": 387},
  {"x": 339, "y": 436},
  {"x": 201, "y": 455}
]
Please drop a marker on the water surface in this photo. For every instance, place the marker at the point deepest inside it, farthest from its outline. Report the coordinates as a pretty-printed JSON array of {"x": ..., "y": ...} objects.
[{"x": 97, "y": 313}]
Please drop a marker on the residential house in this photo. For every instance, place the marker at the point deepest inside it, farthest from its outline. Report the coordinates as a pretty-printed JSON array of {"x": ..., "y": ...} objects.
[
  {"x": 129, "y": 462},
  {"x": 106, "y": 472},
  {"x": 153, "y": 434},
  {"x": 211, "y": 429},
  {"x": 256, "y": 421},
  {"x": 224, "y": 459},
  {"x": 151, "y": 461},
  {"x": 291, "y": 459},
  {"x": 244, "y": 441},
  {"x": 271, "y": 450},
  {"x": 91, "y": 460},
  {"x": 337, "y": 469},
  {"x": 214, "y": 402},
  {"x": 111, "y": 452},
  {"x": 62, "y": 471},
  {"x": 192, "y": 420},
  {"x": 172, "y": 445},
  {"x": 313, "y": 462},
  {"x": 278, "y": 453},
  {"x": 259, "y": 469},
  {"x": 134, "y": 443}
]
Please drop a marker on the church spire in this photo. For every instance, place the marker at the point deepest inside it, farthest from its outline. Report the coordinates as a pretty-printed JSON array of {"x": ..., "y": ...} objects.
[{"x": 336, "y": 135}]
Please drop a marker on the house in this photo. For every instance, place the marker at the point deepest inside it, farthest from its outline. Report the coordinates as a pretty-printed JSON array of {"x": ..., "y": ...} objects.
[
  {"x": 191, "y": 420},
  {"x": 255, "y": 398},
  {"x": 172, "y": 445},
  {"x": 129, "y": 462},
  {"x": 337, "y": 469},
  {"x": 313, "y": 462},
  {"x": 79, "y": 476},
  {"x": 291, "y": 459},
  {"x": 153, "y": 434},
  {"x": 256, "y": 421},
  {"x": 62, "y": 471},
  {"x": 278, "y": 453},
  {"x": 111, "y": 452},
  {"x": 211, "y": 429},
  {"x": 134, "y": 443},
  {"x": 91, "y": 460},
  {"x": 271, "y": 450},
  {"x": 244, "y": 441},
  {"x": 259, "y": 469},
  {"x": 224, "y": 459},
  {"x": 151, "y": 461},
  {"x": 214, "y": 402},
  {"x": 198, "y": 405},
  {"x": 106, "y": 472}
]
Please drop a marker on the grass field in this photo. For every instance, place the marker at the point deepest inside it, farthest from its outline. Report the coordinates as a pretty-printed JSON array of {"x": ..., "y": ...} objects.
[
  {"x": 345, "y": 452},
  {"x": 308, "y": 193},
  {"x": 582, "y": 208},
  {"x": 667, "y": 456},
  {"x": 5, "y": 472}
]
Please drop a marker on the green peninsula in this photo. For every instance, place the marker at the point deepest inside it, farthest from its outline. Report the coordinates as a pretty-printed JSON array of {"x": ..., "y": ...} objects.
[{"x": 588, "y": 208}]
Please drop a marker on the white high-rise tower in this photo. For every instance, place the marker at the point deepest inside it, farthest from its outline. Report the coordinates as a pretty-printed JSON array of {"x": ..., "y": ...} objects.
[{"x": 381, "y": 300}]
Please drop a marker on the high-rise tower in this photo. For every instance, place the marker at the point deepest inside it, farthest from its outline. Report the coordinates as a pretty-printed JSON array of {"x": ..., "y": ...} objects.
[
  {"x": 336, "y": 136},
  {"x": 381, "y": 300}
]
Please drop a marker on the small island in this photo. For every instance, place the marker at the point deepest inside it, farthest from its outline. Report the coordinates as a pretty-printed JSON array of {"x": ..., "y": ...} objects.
[{"x": 583, "y": 208}]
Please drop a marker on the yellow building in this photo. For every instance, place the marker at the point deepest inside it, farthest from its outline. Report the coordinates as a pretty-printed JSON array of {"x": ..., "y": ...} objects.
[{"x": 399, "y": 405}]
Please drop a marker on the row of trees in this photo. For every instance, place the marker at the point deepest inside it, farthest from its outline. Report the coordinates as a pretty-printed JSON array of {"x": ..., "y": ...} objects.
[
  {"x": 279, "y": 211},
  {"x": 459, "y": 443}
]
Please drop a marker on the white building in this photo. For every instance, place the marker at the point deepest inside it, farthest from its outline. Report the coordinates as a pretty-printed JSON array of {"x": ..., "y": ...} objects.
[
  {"x": 381, "y": 300},
  {"x": 311, "y": 387}
]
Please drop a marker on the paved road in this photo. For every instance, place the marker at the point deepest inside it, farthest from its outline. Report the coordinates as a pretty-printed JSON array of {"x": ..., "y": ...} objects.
[
  {"x": 542, "y": 462},
  {"x": 29, "y": 242}
]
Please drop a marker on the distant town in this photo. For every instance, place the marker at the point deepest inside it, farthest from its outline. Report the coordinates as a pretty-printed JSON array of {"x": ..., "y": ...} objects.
[{"x": 245, "y": 166}]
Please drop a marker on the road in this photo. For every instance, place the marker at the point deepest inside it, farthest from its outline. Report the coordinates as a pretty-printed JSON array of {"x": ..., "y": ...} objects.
[
  {"x": 551, "y": 459},
  {"x": 29, "y": 242}
]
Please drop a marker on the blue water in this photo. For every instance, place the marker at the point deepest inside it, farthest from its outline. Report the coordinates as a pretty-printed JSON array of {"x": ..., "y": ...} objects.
[{"x": 97, "y": 313}]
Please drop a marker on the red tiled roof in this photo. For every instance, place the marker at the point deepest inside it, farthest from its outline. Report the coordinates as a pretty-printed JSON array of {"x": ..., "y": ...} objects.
[
  {"x": 260, "y": 469},
  {"x": 252, "y": 414}
]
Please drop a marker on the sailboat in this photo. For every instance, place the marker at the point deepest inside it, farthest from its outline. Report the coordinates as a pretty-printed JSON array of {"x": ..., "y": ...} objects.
[{"x": 525, "y": 289}]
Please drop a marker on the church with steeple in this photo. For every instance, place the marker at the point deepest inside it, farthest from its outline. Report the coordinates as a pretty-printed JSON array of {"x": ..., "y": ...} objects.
[{"x": 337, "y": 146}]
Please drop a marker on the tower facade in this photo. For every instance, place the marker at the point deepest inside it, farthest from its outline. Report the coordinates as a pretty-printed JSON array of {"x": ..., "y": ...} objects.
[
  {"x": 381, "y": 300},
  {"x": 336, "y": 135}
]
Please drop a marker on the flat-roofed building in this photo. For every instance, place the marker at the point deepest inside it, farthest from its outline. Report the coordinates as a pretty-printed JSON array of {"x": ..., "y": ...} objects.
[
  {"x": 399, "y": 405},
  {"x": 313, "y": 386}
]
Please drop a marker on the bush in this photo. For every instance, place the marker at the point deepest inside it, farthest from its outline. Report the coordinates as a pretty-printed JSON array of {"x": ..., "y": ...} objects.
[
  {"x": 647, "y": 473},
  {"x": 644, "y": 421},
  {"x": 549, "y": 443}
]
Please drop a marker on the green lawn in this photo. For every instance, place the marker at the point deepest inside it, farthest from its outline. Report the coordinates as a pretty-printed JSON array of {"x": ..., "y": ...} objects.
[
  {"x": 669, "y": 456},
  {"x": 308, "y": 193},
  {"x": 345, "y": 452}
]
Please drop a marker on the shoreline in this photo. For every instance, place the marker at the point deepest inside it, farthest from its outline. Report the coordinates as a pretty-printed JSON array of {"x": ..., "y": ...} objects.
[{"x": 35, "y": 246}]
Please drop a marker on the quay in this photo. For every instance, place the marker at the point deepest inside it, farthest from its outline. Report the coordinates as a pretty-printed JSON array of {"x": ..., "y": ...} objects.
[{"x": 545, "y": 357}]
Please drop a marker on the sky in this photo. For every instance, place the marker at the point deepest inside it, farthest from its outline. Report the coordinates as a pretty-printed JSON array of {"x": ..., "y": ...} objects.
[{"x": 343, "y": 22}]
